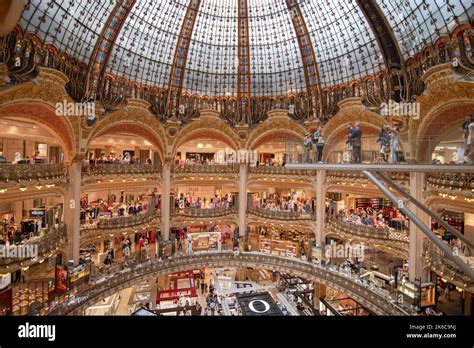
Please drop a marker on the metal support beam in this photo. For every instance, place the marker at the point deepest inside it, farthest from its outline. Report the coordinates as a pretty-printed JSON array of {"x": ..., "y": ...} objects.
[
  {"x": 388, "y": 45},
  {"x": 427, "y": 211},
  {"x": 468, "y": 271},
  {"x": 105, "y": 43},
  {"x": 401, "y": 168},
  {"x": 243, "y": 82},
  {"x": 181, "y": 56},
  {"x": 311, "y": 72}
]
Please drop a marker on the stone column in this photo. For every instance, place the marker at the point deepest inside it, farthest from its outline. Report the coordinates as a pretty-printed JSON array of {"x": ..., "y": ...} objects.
[
  {"x": 319, "y": 293},
  {"x": 165, "y": 200},
  {"x": 243, "y": 176},
  {"x": 18, "y": 208},
  {"x": 417, "y": 181},
  {"x": 320, "y": 207},
  {"x": 72, "y": 210}
]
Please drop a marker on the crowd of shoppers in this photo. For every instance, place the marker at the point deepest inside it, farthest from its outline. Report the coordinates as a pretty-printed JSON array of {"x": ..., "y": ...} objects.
[{"x": 285, "y": 203}]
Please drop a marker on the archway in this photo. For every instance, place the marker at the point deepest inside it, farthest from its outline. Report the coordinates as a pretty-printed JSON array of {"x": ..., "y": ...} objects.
[
  {"x": 439, "y": 136},
  {"x": 39, "y": 121},
  {"x": 117, "y": 139}
]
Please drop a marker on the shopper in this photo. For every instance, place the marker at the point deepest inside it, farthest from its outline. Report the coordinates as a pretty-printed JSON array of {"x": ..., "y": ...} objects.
[
  {"x": 384, "y": 140},
  {"x": 307, "y": 148},
  {"x": 465, "y": 131},
  {"x": 395, "y": 144},
  {"x": 356, "y": 142},
  {"x": 350, "y": 156},
  {"x": 320, "y": 146},
  {"x": 470, "y": 143}
]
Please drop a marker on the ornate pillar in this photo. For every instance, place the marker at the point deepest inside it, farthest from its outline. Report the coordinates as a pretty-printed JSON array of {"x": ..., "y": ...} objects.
[
  {"x": 72, "y": 209},
  {"x": 320, "y": 207},
  {"x": 243, "y": 178},
  {"x": 417, "y": 181},
  {"x": 165, "y": 199},
  {"x": 319, "y": 293}
]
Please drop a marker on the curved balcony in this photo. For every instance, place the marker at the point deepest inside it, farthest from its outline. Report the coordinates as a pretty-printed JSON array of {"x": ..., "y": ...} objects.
[
  {"x": 53, "y": 239},
  {"x": 203, "y": 216},
  {"x": 265, "y": 172},
  {"x": 95, "y": 173},
  {"x": 32, "y": 174},
  {"x": 369, "y": 296},
  {"x": 282, "y": 215},
  {"x": 452, "y": 184},
  {"x": 359, "y": 178},
  {"x": 391, "y": 240},
  {"x": 214, "y": 171},
  {"x": 204, "y": 213},
  {"x": 119, "y": 224},
  {"x": 435, "y": 259}
]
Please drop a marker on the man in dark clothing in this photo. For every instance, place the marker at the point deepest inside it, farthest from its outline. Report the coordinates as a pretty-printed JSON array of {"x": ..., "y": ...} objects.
[{"x": 355, "y": 138}]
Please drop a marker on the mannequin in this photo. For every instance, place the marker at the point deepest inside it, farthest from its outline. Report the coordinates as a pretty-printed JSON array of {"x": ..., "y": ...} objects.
[
  {"x": 17, "y": 158},
  {"x": 189, "y": 245}
]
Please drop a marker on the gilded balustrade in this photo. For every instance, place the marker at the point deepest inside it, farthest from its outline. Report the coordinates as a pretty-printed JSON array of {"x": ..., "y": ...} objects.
[
  {"x": 53, "y": 239},
  {"x": 366, "y": 294},
  {"x": 282, "y": 215},
  {"x": 34, "y": 173}
]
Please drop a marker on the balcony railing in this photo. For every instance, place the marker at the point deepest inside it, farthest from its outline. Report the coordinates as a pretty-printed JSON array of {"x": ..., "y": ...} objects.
[
  {"x": 32, "y": 172},
  {"x": 365, "y": 231},
  {"x": 120, "y": 169},
  {"x": 206, "y": 169},
  {"x": 271, "y": 170},
  {"x": 204, "y": 213},
  {"x": 121, "y": 222},
  {"x": 358, "y": 177},
  {"x": 436, "y": 260},
  {"x": 282, "y": 215},
  {"x": 53, "y": 239},
  {"x": 365, "y": 293},
  {"x": 452, "y": 183}
]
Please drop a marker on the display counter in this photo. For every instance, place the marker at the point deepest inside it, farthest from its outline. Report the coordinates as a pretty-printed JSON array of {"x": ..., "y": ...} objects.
[{"x": 279, "y": 247}]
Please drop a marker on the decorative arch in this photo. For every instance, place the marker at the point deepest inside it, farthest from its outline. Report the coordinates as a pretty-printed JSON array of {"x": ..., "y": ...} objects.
[
  {"x": 435, "y": 124},
  {"x": 44, "y": 115},
  {"x": 272, "y": 127},
  {"x": 207, "y": 127},
  {"x": 131, "y": 120}
]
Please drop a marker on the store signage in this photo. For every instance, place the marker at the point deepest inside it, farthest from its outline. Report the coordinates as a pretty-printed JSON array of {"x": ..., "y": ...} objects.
[
  {"x": 252, "y": 305},
  {"x": 261, "y": 304},
  {"x": 37, "y": 213}
]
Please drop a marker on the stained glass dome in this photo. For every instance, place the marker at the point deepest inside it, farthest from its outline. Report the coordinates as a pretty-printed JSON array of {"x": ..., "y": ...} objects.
[{"x": 148, "y": 41}]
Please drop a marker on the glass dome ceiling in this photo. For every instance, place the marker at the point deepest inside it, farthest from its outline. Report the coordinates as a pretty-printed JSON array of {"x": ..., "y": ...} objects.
[{"x": 142, "y": 42}]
